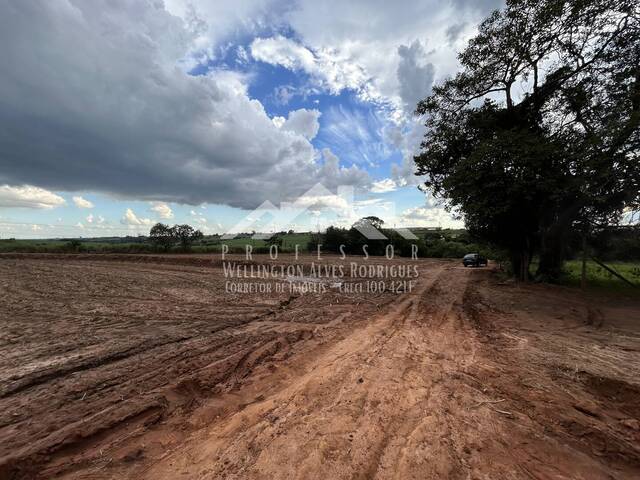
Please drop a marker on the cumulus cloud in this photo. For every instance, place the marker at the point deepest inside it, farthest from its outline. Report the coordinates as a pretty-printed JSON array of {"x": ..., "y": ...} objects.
[
  {"x": 366, "y": 37},
  {"x": 455, "y": 31},
  {"x": 27, "y": 196},
  {"x": 414, "y": 74},
  {"x": 82, "y": 203},
  {"x": 406, "y": 139},
  {"x": 284, "y": 51},
  {"x": 117, "y": 113},
  {"x": 303, "y": 122},
  {"x": 327, "y": 68},
  {"x": 283, "y": 94},
  {"x": 430, "y": 216},
  {"x": 334, "y": 175},
  {"x": 384, "y": 185},
  {"x": 130, "y": 218},
  {"x": 162, "y": 209},
  {"x": 135, "y": 125}
]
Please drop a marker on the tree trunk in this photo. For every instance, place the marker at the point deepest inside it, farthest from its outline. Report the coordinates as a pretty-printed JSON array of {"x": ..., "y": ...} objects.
[
  {"x": 553, "y": 247},
  {"x": 583, "y": 276},
  {"x": 520, "y": 263},
  {"x": 551, "y": 260},
  {"x": 554, "y": 239}
]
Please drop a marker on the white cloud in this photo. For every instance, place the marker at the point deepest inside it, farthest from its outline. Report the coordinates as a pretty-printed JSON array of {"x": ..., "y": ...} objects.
[
  {"x": 198, "y": 217},
  {"x": 316, "y": 203},
  {"x": 36, "y": 228},
  {"x": 162, "y": 209},
  {"x": 385, "y": 185},
  {"x": 130, "y": 218},
  {"x": 149, "y": 130},
  {"x": 27, "y": 196},
  {"x": 283, "y": 94},
  {"x": 278, "y": 121},
  {"x": 178, "y": 138},
  {"x": 365, "y": 37},
  {"x": 82, "y": 203},
  {"x": 285, "y": 52},
  {"x": 415, "y": 75},
  {"x": 327, "y": 67},
  {"x": 334, "y": 175},
  {"x": 430, "y": 216},
  {"x": 303, "y": 122},
  {"x": 96, "y": 220}
]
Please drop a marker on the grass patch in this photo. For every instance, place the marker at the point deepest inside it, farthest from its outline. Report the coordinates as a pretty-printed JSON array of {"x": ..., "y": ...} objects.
[{"x": 598, "y": 277}]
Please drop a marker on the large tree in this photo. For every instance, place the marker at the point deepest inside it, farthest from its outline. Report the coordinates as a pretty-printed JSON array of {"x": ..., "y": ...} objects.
[
  {"x": 161, "y": 236},
  {"x": 539, "y": 131},
  {"x": 186, "y": 235}
]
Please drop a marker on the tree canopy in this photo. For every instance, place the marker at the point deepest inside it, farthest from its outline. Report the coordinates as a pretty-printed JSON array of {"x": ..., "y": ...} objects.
[
  {"x": 164, "y": 237},
  {"x": 539, "y": 131}
]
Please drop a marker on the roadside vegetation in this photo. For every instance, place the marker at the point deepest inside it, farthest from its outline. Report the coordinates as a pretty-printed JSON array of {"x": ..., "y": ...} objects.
[
  {"x": 537, "y": 138},
  {"x": 598, "y": 277}
]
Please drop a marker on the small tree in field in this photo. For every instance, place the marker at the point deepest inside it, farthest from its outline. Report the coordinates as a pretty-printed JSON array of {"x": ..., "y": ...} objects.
[
  {"x": 375, "y": 222},
  {"x": 161, "y": 236},
  {"x": 185, "y": 235}
]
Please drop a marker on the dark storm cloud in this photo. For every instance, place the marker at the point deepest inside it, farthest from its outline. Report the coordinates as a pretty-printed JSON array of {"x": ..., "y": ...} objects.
[
  {"x": 91, "y": 99},
  {"x": 415, "y": 76}
]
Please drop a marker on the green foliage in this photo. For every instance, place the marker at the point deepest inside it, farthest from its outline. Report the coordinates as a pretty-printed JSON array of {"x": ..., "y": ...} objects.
[
  {"x": 430, "y": 243},
  {"x": 275, "y": 240},
  {"x": 161, "y": 236},
  {"x": 74, "y": 245},
  {"x": 164, "y": 237},
  {"x": 523, "y": 171},
  {"x": 185, "y": 235},
  {"x": 598, "y": 277}
]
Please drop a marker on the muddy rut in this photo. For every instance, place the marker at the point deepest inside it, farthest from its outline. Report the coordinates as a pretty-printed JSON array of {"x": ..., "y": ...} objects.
[{"x": 464, "y": 377}]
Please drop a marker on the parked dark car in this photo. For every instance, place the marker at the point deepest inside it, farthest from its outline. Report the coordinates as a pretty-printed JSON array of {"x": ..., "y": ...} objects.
[{"x": 474, "y": 260}]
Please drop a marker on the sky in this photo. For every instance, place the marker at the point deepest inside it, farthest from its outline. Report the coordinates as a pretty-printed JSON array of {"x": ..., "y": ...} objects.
[{"x": 117, "y": 114}]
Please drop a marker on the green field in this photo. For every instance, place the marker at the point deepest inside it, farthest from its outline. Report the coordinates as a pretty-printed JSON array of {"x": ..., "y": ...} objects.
[
  {"x": 209, "y": 244},
  {"x": 599, "y": 277},
  {"x": 442, "y": 244}
]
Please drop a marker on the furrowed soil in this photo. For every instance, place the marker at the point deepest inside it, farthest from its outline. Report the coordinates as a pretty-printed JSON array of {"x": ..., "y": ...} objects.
[{"x": 146, "y": 367}]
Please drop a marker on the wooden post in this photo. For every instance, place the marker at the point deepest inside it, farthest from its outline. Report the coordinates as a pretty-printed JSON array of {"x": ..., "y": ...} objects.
[{"x": 614, "y": 273}]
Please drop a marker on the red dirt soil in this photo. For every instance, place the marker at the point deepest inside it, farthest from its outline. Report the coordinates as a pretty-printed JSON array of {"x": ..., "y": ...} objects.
[{"x": 144, "y": 367}]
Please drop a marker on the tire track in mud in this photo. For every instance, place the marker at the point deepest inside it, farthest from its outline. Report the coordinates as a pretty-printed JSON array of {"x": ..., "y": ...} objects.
[
  {"x": 403, "y": 397},
  {"x": 374, "y": 367},
  {"x": 52, "y": 412},
  {"x": 429, "y": 387}
]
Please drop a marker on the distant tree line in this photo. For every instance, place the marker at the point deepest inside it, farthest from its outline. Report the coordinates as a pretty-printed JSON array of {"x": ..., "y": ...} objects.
[{"x": 434, "y": 243}]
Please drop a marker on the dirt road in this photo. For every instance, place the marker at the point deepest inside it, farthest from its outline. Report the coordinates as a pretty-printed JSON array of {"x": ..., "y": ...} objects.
[{"x": 464, "y": 377}]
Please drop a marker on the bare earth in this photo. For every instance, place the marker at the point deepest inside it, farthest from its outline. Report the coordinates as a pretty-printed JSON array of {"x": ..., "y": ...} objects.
[{"x": 145, "y": 368}]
